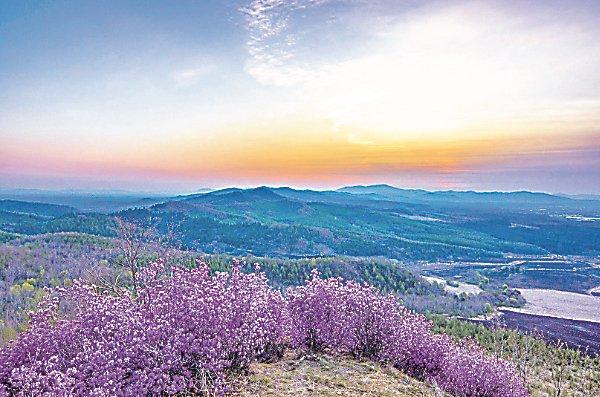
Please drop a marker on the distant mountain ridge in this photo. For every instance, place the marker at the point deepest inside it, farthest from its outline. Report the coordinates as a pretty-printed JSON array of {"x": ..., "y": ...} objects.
[
  {"x": 375, "y": 220},
  {"x": 378, "y": 220},
  {"x": 237, "y": 195},
  {"x": 392, "y": 192},
  {"x": 384, "y": 191},
  {"x": 35, "y": 208}
]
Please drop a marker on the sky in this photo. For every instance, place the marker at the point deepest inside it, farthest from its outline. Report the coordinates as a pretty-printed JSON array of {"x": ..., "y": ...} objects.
[{"x": 178, "y": 96}]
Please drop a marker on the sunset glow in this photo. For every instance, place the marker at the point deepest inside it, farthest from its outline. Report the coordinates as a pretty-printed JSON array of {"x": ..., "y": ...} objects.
[{"x": 440, "y": 95}]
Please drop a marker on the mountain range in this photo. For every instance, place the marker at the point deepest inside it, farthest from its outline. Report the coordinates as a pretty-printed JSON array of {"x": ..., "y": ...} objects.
[{"x": 375, "y": 220}]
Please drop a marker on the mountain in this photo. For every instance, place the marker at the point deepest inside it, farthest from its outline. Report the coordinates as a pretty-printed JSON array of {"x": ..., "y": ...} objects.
[
  {"x": 581, "y": 196},
  {"x": 21, "y": 217},
  {"x": 236, "y": 196},
  {"x": 240, "y": 195},
  {"x": 454, "y": 196},
  {"x": 385, "y": 191},
  {"x": 522, "y": 197},
  {"x": 34, "y": 208},
  {"x": 378, "y": 220},
  {"x": 86, "y": 201}
]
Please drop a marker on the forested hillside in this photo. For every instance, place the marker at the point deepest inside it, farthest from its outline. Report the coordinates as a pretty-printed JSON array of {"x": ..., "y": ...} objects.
[
  {"x": 287, "y": 222},
  {"x": 357, "y": 221}
]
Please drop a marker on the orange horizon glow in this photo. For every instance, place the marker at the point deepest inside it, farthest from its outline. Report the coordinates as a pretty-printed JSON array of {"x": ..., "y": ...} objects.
[
  {"x": 471, "y": 94},
  {"x": 319, "y": 158}
]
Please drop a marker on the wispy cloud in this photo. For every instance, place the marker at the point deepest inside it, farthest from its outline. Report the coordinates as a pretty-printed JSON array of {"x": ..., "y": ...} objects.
[
  {"x": 271, "y": 42},
  {"x": 186, "y": 77}
]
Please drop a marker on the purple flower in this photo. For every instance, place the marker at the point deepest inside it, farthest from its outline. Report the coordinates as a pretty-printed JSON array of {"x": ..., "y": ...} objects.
[{"x": 188, "y": 329}]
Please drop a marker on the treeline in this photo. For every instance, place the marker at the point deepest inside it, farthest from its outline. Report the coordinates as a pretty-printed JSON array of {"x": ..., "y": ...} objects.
[
  {"x": 386, "y": 275},
  {"x": 33, "y": 224},
  {"x": 29, "y": 265}
]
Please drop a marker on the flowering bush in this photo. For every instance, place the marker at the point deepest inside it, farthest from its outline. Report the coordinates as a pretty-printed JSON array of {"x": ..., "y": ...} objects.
[
  {"x": 347, "y": 317},
  {"x": 181, "y": 334},
  {"x": 344, "y": 317},
  {"x": 185, "y": 331},
  {"x": 467, "y": 371}
]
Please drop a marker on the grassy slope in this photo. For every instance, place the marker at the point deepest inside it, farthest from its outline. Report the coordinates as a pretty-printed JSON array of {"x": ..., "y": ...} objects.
[{"x": 328, "y": 376}]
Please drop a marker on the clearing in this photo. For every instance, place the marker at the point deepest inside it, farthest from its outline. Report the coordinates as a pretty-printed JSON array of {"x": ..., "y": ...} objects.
[{"x": 322, "y": 375}]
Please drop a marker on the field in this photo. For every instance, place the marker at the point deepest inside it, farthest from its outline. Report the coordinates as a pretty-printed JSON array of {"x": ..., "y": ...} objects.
[
  {"x": 458, "y": 288},
  {"x": 576, "y": 334},
  {"x": 560, "y": 304},
  {"x": 565, "y": 273}
]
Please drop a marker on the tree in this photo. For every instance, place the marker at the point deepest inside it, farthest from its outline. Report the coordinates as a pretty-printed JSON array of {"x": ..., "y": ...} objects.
[{"x": 132, "y": 239}]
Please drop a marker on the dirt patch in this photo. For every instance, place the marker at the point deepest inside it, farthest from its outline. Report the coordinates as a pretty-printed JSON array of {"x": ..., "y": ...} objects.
[{"x": 322, "y": 375}]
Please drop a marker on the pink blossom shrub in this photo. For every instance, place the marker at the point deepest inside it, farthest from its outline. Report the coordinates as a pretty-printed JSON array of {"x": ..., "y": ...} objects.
[
  {"x": 347, "y": 317},
  {"x": 186, "y": 331},
  {"x": 182, "y": 333},
  {"x": 468, "y": 371}
]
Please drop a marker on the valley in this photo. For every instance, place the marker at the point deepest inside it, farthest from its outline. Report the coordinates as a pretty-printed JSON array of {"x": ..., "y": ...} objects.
[
  {"x": 478, "y": 265},
  {"x": 477, "y": 251}
]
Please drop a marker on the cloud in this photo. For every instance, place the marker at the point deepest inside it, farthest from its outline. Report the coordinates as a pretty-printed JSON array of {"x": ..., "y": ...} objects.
[
  {"x": 271, "y": 42},
  {"x": 186, "y": 77},
  {"x": 435, "y": 71}
]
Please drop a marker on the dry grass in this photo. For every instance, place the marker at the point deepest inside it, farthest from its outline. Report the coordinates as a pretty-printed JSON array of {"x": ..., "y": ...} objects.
[{"x": 326, "y": 376}]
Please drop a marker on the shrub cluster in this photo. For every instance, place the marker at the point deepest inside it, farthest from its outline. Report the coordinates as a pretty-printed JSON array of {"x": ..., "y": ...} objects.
[
  {"x": 186, "y": 331},
  {"x": 347, "y": 317},
  {"x": 179, "y": 334}
]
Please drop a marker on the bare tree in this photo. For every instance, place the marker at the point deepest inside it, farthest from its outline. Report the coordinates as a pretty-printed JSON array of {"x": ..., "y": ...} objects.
[
  {"x": 105, "y": 279},
  {"x": 499, "y": 337},
  {"x": 132, "y": 239},
  {"x": 167, "y": 242},
  {"x": 561, "y": 367},
  {"x": 523, "y": 352}
]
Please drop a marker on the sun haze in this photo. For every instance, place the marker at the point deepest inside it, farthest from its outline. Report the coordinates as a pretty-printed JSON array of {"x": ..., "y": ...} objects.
[{"x": 318, "y": 93}]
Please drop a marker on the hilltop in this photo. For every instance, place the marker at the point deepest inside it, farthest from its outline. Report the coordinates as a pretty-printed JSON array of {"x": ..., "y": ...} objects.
[{"x": 328, "y": 376}]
